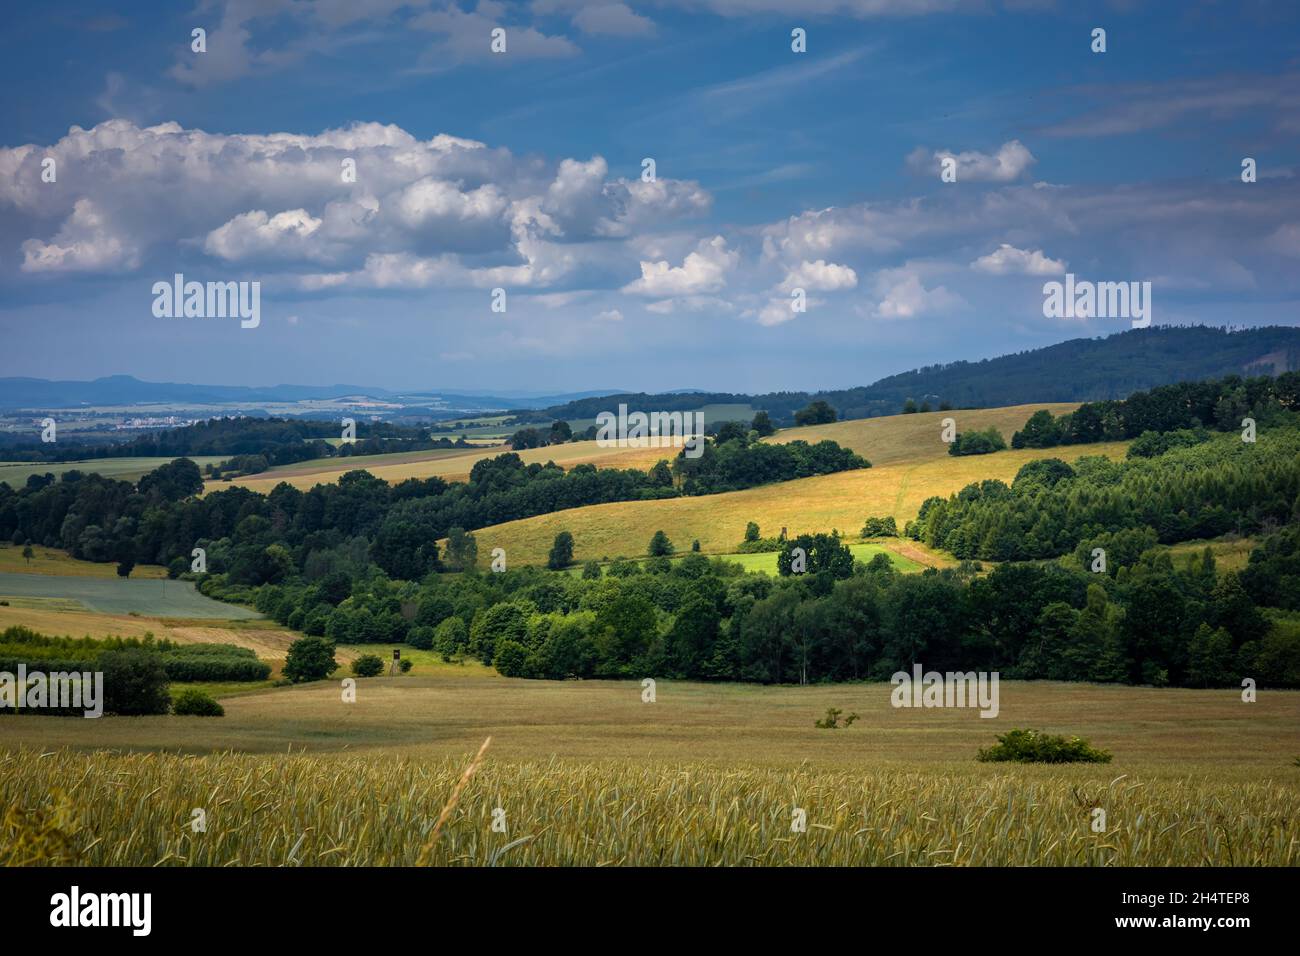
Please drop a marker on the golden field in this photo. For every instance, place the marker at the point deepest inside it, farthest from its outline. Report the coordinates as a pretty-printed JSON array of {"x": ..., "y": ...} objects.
[
  {"x": 841, "y": 501},
  {"x": 588, "y": 774}
]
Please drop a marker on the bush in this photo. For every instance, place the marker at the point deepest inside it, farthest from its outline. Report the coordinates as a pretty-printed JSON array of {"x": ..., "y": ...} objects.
[
  {"x": 1032, "y": 746},
  {"x": 310, "y": 658},
  {"x": 511, "y": 659},
  {"x": 135, "y": 682},
  {"x": 404, "y": 665},
  {"x": 880, "y": 528},
  {"x": 192, "y": 702},
  {"x": 561, "y": 555},
  {"x": 368, "y": 665}
]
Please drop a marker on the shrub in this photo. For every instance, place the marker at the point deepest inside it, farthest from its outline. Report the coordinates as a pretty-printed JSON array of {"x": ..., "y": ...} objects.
[
  {"x": 404, "y": 665},
  {"x": 135, "y": 682},
  {"x": 310, "y": 658},
  {"x": 880, "y": 528},
  {"x": 192, "y": 702},
  {"x": 368, "y": 665},
  {"x": 1032, "y": 746}
]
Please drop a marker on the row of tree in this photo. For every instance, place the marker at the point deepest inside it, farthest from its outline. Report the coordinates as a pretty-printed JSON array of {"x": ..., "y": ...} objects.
[{"x": 1154, "y": 621}]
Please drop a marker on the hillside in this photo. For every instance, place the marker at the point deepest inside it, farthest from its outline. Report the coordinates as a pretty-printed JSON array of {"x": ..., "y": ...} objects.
[
  {"x": 909, "y": 464},
  {"x": 1098, "y": 368}
]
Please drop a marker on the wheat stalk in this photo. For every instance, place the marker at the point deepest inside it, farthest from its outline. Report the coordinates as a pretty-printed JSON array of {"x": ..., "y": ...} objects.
[{"x": 451, "y": 804}]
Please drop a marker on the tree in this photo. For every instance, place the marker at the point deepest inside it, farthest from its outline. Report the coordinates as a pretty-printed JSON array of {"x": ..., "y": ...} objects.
[
  {"x": 125, "y": 567},
  {"x": 660, "y": 546},
  {"x": 561, "y": 555},
  {"x": 28, "y": 554},
  {"x": 560, "y": 433},
  {"x": 909, "y": 407},
  {"x": 527, "y": 438},
  {"x": 695, "y": 545},
  {"x": 135, "y": 682},
  {"x": 451, "y": 638},
  {"x": 762, "y": 424},
  {"x": 309, "y": 658},
  {"x": 752, "y": 531},
  {"x": 462, "y": 549},
  {"x": 815, "y": 413},
  {"x": 368, "y": 665},
  {"x": 591, "y": 571}
]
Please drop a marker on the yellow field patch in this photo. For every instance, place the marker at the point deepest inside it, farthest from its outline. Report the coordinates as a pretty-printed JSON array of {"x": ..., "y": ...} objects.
[
  {"x": 914, "y": 438},
  {"x": 56, "y": 562},
  {"x": 450, "y": 465},
  {"x": 809, "y": 505}
]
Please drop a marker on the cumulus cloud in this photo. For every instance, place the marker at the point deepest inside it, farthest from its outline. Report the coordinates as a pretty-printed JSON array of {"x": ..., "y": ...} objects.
[
  {"x": 702, "y": 271},
  {"x": 1008, "y": 164},
  {"x": 417, "y": 212},
  {"x": 903, "y": 296},
  {"x": 610, "y": 315},
  {"x": 1008, "y": 260},
  {"x": 255, "y": 233},
  {"x": 821, "y": 276},
  {"x": 86, "y": 242}
]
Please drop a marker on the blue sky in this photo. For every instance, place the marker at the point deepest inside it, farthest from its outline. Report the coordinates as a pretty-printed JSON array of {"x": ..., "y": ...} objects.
[{"x": 775, "y": 171}]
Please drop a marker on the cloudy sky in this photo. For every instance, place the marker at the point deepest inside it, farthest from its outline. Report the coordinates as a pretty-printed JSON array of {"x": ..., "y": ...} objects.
[{"x": 774, "y": 171}]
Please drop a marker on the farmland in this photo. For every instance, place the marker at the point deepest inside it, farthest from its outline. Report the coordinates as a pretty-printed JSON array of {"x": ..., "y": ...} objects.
[
  {"x": 588, "y": 774},
  {"x": 840, "y": 501},
  {"x": 16, "y": 473}
]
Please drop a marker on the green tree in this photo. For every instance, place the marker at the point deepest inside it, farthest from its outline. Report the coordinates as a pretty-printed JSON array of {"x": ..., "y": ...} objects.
[
  {"x": 752, "y": 532},
  {"x": 368, "y": 665},
  {"x": 135, "y": 682},
  {"x": 762, "y": 424},
  {"x": 561, "y": 555},
  {"x": 309, "y": 659},
  {"x": 815, "y": 413},
  {"x": 462, "y": 549},
  {"x": 451, "y": 638},
  {"x": 660, "y": 546},
  {"x": 28, "y": 553}
]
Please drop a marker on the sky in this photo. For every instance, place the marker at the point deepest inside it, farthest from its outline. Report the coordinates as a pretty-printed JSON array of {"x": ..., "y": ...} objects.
[{"x": 421, "y": 211}]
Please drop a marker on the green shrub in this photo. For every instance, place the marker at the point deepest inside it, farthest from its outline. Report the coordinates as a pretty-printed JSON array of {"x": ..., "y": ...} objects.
[
  {"x": 135, "y": 682},
  {"x": 404, "y": 665},
  {"x": 1032, "y": 746},
  {"x": 192, "y": 702},
  {"x": 368, "y": 665},
  {"x": 310, "y": 658}
]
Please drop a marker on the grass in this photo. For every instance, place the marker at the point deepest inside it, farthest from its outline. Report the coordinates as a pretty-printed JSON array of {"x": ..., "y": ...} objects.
[
  {"x": 51, "y": 561},
  {"x": 156, "y": 597},
  {"x": 841, "y": 501},
  {"x": 864, "y": 551},
  {"x": 589, "y": 775},
  {"x": 16, "y": 473},
  {"x": 1230, "y": 554}
]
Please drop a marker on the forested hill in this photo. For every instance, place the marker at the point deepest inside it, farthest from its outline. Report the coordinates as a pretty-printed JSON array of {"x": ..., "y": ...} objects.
[{"x": 1075, "y": 371}]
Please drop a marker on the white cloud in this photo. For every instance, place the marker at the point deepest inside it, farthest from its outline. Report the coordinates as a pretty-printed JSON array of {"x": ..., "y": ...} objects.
[
  {"x": 1008, "y": 260},
  {"x": 254, "y": 233},
  {"x": 610, "y": 315},
  {"x": 903, "y": 296},
  {"x": 1008, "y": 164},
  {"x": 821, "y": 276},
  {"x": 86, "y": 242},
  {"x": 702, "y": 271}
]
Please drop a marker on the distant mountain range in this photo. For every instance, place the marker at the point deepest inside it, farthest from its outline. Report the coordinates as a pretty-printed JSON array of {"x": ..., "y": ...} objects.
[
  {"x": 1079, "y": 370},
  {"x": 1074, "y": 371},
  {"x": 128, "y": 390}
]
